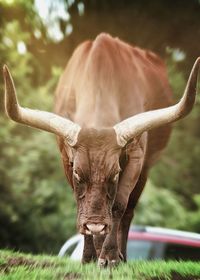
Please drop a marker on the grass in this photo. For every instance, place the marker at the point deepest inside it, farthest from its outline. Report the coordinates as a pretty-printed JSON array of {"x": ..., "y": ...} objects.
[{"x": 18, "y": 266}]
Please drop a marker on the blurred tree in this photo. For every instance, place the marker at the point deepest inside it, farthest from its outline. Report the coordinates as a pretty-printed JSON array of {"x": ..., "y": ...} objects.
[
  {"x": 160, "y": 207},
  {"x": 150, "y": 24},
  {"x": 37, "y": 212},
  {"x": 183, "y": 152}
]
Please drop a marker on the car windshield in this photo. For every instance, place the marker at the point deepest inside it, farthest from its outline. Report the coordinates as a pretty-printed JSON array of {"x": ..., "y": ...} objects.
[{"x": 139, "y": 249}]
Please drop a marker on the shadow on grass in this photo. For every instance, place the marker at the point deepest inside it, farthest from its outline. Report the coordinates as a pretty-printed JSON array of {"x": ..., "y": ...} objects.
[
  {"x": 21, "y": 261},
  {"x": 28, "y": 263}
]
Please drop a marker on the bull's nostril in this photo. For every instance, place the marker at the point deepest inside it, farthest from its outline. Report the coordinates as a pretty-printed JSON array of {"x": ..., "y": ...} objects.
[{"x": 96, "y": 228}]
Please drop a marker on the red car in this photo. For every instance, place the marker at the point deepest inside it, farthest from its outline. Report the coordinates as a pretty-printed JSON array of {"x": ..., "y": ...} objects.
[
  {"x": 148, "y": 243},
  {"x": 160, "y": 243}
]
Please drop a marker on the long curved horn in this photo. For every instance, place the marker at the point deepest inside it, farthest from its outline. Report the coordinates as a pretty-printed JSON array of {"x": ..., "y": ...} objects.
[
  {"x": 39, "y": 119},
  {"x": 136, "y": 125}
]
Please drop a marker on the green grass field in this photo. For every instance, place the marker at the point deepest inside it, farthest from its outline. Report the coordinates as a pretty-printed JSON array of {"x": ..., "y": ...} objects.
[{"x": 17, "y": 266}]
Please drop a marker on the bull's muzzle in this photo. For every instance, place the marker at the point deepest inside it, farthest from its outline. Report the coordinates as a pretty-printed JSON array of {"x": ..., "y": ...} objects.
[
  {"x": 95, "y": 228},
  {"x": 91, "y": 228}
]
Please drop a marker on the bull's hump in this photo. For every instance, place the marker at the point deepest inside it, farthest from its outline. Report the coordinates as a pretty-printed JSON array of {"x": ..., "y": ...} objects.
[
  {"x": 103, "y": 38},
  {"x": 105, "y": 42}
]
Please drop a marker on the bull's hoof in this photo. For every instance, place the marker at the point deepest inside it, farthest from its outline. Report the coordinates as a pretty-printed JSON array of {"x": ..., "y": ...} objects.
[
  {"x": 110, "y": 262},
  {"x": 103, "y": 263}
]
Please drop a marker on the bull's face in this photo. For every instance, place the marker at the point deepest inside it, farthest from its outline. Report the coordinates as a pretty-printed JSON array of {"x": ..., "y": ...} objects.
[{"x": 95, "y": 178}]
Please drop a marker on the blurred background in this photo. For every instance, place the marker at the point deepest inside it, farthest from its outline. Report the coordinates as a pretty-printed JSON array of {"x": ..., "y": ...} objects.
[{"x": 37, "y": 209}]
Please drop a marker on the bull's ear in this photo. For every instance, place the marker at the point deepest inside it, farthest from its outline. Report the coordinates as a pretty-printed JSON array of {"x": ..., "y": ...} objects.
[
  {"x": 136, "y": 125},
  {"x": 39, "y": 119}
]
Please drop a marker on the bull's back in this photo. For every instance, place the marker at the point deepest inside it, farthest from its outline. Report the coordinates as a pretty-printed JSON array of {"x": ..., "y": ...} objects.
[{"x": 110, "y": 72}]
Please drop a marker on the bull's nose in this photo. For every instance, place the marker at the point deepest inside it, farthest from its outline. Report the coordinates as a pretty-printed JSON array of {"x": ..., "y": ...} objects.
[{"x": 96, "y": 228}]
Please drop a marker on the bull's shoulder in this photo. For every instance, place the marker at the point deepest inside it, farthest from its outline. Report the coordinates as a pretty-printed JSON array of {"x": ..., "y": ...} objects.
[
  {"x": 106, "y": 40},
  {"x": 127, "y": 53},
  {"x": 148, "y": 58},
  {"x": 154, "y": 58}
]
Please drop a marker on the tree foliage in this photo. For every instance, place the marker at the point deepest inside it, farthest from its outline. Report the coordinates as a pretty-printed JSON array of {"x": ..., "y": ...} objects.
[{"x": 37, "y": 212}]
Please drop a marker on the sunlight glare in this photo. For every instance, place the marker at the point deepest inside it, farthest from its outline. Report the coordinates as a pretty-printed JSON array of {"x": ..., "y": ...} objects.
[{"x": 21, "y": 48}]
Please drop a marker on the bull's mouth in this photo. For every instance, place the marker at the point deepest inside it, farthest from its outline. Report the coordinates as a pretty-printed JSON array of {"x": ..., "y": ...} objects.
[{"x": 94, "y": 229}]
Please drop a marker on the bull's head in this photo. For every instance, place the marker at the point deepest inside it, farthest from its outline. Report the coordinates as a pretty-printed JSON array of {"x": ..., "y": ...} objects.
[
  {"x": 95, "y": 154},
  {"x": 95, "y": 159}
]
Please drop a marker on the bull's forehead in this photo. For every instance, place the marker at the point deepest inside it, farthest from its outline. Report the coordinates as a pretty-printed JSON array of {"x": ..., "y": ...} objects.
[
  {"x": 94, "y": 138},
  {"x": 97, "y": 153},
  {"x": 96, "y": 165}
]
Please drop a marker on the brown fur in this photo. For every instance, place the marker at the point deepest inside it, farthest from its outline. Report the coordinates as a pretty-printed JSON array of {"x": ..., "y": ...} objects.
[{"x": 105, "y": 82}]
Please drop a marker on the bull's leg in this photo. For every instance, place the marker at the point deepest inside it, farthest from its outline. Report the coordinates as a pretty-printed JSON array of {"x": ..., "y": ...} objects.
[
  {"x": 129, "y": 213},
  {"x": 110, "y": 254},
  {"x": 98, "y": 243},
  {"x": 123, "y": 231},
  {"x": 114, "y": 246},
  {"x": 89, "y": 252}
]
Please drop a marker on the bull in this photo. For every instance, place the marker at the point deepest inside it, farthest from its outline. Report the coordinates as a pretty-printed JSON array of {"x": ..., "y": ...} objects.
[{"x": 112, "y": 116}]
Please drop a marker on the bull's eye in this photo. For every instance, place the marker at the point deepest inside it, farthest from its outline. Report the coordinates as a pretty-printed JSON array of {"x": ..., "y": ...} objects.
[
  {"x": 112, "y": 186},
  {"x": 115, "y": 178},
  {"x": 80, "y": 186},
  {"x": 77, "y": 176}
]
